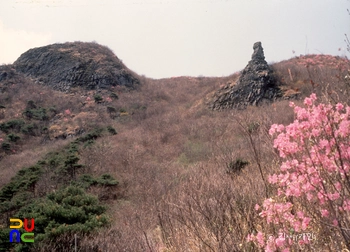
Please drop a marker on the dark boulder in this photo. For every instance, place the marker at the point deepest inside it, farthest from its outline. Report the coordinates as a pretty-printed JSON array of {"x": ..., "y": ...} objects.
[
  {"x": 77, "y": 64},
  {"x": 7, "y": 73},
  {"x": 255, "y": 85}
]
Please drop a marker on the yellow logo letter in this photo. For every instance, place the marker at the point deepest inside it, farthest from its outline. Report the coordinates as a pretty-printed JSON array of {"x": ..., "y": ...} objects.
[{"x": 16, "y": 220}]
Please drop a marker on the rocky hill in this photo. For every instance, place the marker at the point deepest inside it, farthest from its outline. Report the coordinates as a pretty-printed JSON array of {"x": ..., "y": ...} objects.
[
  {"x": 256, "y": 84},
  {"x": 75, "y": 64}
]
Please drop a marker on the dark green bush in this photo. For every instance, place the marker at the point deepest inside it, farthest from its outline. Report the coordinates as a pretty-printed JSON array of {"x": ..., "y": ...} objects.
[
  {"x": 88, "y": 143},
  {"x": 53, "y": 110},
  {"x": 71, "y": 165},
  {"x": 114, "y": 96},
  {"x": 107, "y": 180},
  {"x": 54, "y": 159},
  {"x": 92, "y": 135},
  {"x": 98, "y": 98},
  {"x": 64, "y": 163},
  {"x": 112, "y": 111},
  {"x": 13, "y": 137},
  {"x": 112, "y": 130},
  {"x": 32, "y": 111},
  {"x": 86, "y": 180},
  {"x": 22, "y": 181},
  {"x": 5, "y": 146},
  {"x": 14, "y": 125},
  {"x": 36, "y": 114},
  {"x": 31, "y": 104},
  {"x": 29, "y": 129},
  {"x": 236, "y": 166},
  {"x": 69, "y": 210},
  {"x": 5, "y": 245},
  {"x": 17, "y": 201}
]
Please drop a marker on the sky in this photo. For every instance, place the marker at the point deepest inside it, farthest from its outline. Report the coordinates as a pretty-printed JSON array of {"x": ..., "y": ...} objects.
[{"x": 168, "y": 38}]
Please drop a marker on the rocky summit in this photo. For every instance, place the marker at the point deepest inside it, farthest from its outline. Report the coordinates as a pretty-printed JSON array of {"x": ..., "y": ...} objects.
[
  {"x": 255, "y": 85},
  {"x": 75, "y": 64}
]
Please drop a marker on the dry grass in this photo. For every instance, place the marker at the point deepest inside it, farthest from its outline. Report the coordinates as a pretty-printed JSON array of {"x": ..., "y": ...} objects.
[{"x": 11, "y": 164}]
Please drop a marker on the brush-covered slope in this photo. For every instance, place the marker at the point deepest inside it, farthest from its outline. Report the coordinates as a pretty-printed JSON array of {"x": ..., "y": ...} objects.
[
  {"x": 174, "y": 160},
  {"x": 77, "y": 64}
]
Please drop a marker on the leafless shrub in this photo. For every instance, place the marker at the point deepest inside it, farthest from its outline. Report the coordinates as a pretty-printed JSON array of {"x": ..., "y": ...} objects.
[{"x": 208, "y": 212}]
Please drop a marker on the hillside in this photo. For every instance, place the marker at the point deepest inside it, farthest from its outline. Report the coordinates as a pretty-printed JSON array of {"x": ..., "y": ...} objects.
[{"x": 147, "y": 167}]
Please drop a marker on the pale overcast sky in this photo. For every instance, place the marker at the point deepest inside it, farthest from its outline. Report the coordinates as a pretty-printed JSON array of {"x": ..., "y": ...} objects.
[{"x": 165, "y": 38}]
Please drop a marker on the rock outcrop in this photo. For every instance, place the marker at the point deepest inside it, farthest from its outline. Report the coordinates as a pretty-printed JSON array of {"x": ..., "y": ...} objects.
[
  {"x": 255, "y": 85},
  {"x": 77, "y": 64},
  {"x": 9, "y": 75}
]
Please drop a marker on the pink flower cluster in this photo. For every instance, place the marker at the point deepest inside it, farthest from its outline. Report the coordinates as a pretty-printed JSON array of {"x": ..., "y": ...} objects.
[
  {"x": 324, "y": 61},
  {"x": 108, "y": 99},
  {"x": 315, "y": 152}
]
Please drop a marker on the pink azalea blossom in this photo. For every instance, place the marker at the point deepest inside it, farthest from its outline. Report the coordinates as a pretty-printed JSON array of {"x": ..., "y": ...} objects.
[
  {"x": 339, "y": 106},
  {"x": 280, "y": 241},
  {"x": 260, "y": 239},
  {"x": 315, "y": 154},
  {"x": 257, "y": 207},
  {"x": 324, "y": 213}
]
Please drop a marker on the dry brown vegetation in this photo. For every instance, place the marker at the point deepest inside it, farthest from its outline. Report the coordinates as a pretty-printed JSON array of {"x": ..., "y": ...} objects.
[{"x": 182, "y": 185}]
